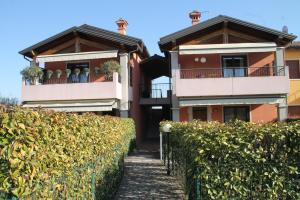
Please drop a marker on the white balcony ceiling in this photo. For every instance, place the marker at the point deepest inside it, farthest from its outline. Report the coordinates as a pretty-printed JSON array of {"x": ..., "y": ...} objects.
[
  {"x": 77, "y": 56},
  {"x": 101, "y": 105},
  {"x": 231, "y": 101},
  {"x": 227, "y": 48}
]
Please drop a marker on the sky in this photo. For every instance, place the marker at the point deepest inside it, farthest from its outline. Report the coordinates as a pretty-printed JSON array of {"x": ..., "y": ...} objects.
[{"x": 26, "y": 22}]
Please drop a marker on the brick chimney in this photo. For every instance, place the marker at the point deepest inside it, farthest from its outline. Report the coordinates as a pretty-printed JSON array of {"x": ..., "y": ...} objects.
[
  {"x": 195, "y": 16},
  {"x": 122, "y": 25}
]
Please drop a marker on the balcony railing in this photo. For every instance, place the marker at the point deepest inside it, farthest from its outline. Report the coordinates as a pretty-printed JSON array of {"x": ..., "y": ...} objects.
[
  {"x": 231, "y": 72},
  {"x": 159, "y": 90},
  {"x": 79, "y": 91}
]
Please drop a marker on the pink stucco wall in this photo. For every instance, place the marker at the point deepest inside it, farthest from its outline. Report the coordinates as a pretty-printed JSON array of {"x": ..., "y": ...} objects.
[
  {"x": 231, "y": 86},
  {"x": 74, "y": 91}
]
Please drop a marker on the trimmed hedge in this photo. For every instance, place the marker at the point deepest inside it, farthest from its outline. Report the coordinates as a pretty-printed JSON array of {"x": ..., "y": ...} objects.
[
  {"x": 238, "y": 160},
  {"x": 54, "y": 155}
]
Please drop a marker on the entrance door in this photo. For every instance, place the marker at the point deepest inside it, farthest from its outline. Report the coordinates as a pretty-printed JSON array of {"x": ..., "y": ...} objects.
[
  {"x": 234, "y": 66},
  {"x": 236, "y": 112},
  {"x": 200, "y": 113}
]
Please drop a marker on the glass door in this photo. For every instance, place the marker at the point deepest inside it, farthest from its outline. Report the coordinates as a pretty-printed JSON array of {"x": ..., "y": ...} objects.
[
  {"x": 236, "y": 112},
  {"x": 234, "y": 66},
  {"x": 200, "y": 113}
]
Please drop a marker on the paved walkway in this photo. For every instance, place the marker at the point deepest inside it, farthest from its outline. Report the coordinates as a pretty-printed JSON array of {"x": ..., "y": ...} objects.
[{"x": 145, "y": 178}]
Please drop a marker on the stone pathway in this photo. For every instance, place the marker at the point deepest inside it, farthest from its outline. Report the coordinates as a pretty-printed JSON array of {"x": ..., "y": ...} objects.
[{"x": 145, "y": 178}]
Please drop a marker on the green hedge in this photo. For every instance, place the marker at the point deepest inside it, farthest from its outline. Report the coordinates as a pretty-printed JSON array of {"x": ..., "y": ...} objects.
[
  {"x": 238, "y": 160},
  {"x": 54, "y": 155}
]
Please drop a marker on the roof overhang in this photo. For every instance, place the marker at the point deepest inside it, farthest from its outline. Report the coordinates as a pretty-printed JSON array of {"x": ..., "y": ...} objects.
[
  {"x": 168, "y": 42},
  {"x": 116, "y": 40},
  {"x": 77, "y": 56},
  {"x": 232, "y": 101},
  {"x": 227, "y": 48}
]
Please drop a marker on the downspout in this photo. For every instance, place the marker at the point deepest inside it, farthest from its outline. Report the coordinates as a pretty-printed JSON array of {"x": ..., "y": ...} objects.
[{"x": 27, "y": 58}]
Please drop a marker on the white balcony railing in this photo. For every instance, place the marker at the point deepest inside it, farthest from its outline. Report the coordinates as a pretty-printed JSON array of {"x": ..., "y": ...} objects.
[
  {"x": 75, "y": 91},
  {"x": 231, "y": 81}
]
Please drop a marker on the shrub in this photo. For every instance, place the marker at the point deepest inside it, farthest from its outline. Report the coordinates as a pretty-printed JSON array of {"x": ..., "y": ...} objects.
[
  {"x": 109, "y": 67},
  {"x": 238, "y": 160},
  {"x": 55, "y": 155}
]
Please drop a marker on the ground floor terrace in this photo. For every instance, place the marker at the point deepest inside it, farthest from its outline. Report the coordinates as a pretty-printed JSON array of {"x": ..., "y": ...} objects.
[{"x": 224, "y": 113}]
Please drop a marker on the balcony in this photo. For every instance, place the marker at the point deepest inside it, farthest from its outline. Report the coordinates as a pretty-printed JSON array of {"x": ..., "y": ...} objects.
[
  {"x": 231, "y": 81},
  {"x": 157, "y": 94},
  {"x": 110, "y": 89}
]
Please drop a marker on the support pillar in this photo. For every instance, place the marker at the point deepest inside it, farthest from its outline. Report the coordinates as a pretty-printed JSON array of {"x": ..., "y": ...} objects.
[
  {"x": 175, "y": 102},
  {"x": 282, "y": 110},
  {"x": 124, "y": 104}
]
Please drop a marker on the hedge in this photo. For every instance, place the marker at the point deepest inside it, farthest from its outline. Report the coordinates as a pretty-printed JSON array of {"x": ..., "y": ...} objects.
[
  {"x": 238, "y": 160},
  {"x": 54, "y": 155}
]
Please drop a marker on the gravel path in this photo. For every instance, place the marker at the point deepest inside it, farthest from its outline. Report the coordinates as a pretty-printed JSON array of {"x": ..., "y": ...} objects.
[{"x": 145, "y": 178}]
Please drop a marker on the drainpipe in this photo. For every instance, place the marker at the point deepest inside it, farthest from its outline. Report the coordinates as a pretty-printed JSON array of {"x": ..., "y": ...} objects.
[{"x": 27, "y": 58}]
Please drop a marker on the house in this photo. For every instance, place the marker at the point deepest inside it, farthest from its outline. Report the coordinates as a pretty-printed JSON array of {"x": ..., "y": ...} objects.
[
  {"x": 292, "y": 58},
  {"x": 220, "y": 69},
  {"x": 225, "y": 68},
  {"x": 73, "y": 81}
]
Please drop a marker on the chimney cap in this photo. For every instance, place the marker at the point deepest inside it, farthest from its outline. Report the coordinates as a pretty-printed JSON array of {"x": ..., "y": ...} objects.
[
  {"x": 195, "y": 16},
  {"x": 121, "y": 21},
  {"x": 122, "y": 25}
]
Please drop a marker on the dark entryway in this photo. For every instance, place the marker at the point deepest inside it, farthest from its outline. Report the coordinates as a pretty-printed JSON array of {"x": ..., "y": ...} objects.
[
  {"x": 154, "y": 115},
  {"x": 155, "y": 95}
]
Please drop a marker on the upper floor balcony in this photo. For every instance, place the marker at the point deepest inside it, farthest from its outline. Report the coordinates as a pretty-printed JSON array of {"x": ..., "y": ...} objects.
[
  {"x": 61, "y": 90},
  {"x": 75, "y": 76},
  {"x": 231, "y": 81}
]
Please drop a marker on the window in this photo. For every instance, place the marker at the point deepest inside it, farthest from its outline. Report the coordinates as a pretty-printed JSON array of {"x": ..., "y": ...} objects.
[
  {"x": 294, "y": 68},
  {"x": 200, "y": 113},
  {"x": 79, "y": 72},
  {"x": 294, "y": 112},
  {"x": 234, "y": 66},
  {"x": 232, "y": 113}
]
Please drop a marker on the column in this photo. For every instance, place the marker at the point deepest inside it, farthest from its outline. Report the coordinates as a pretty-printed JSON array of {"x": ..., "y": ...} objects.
[
  {"x": 124, "y": 104},
  {"x": 175, "y": 102}
]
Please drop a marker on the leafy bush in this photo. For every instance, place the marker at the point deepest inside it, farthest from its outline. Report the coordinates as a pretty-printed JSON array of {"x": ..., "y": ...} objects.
[
  {"x": 109, "y": 67},
  {"x": 32, "y": 73},
  {"x": 238, "y": 160},
  {"x": 45, "y": 154}
]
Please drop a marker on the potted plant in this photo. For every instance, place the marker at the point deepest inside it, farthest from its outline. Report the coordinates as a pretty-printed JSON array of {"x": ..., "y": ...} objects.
[
  {"x": 77, "y": 71},
  {"x": 86, "y": 71},
  {"x": 49, "y": 73},
  {"x": 68, "y": 72},
  {"x": 32, "y": 73},
  {"x": 58, "y": 73},
  {"x": 109, "y": 67}
]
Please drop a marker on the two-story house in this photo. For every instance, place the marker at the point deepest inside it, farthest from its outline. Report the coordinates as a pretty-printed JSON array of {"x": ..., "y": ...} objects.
[
  {"x": 216, "y": 70},
  {"x": 225, "y": 68},
  {"x": 73, "y": 81}
]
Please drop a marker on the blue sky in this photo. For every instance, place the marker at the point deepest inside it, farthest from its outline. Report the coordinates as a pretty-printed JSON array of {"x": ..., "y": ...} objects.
[{"x": 24, "y": 23}]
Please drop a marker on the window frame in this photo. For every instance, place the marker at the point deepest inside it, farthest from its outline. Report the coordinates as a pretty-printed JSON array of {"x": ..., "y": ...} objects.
[{"x": 293, "y": 59}]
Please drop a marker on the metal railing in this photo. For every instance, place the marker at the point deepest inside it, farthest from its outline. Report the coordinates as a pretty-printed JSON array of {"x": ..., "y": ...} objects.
[
  {"x": 197, "y": 73},
  {"x": 158, "y": 90},
  {"x": 180, "y": 163}
]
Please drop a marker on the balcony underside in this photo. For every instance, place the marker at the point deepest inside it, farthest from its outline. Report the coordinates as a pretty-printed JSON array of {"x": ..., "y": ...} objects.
[
  {"x": 232, "y": 100},
  {"x": 75, "y": 106},
  {"x": 155, "y": 101}
]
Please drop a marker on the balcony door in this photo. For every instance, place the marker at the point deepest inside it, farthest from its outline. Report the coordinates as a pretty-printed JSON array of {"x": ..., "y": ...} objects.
[
  {"x": 234, "y": 65},
  {"x": 200, "y": 113},
  {"x": 236, "y": 112},
  {"x": 79, "y": 72}
]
